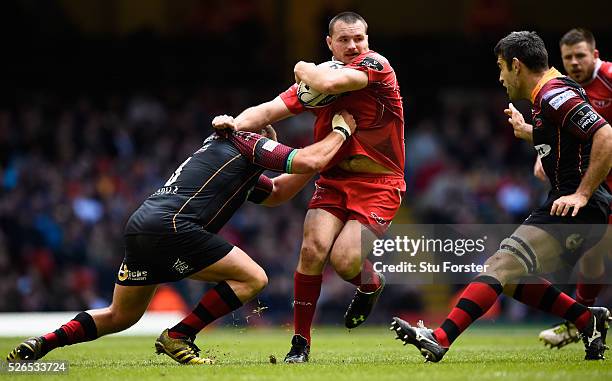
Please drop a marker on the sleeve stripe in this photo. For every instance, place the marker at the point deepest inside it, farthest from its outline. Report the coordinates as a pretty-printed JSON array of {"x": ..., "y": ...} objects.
[{"x": 288, "y": 165}]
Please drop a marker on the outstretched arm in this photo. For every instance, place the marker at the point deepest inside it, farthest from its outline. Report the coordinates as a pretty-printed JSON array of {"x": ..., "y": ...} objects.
[
  {"x": 254, "y": 118},
  {"x": 285, "y": 187},
  {"x": 328, "y": 80},
  {"x": 316, "y": 156}
]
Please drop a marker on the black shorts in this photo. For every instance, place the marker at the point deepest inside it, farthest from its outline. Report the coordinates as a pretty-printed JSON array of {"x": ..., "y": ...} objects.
[
  {"x": 169, "y": 257},
  {"x": 577, "y": 234}
]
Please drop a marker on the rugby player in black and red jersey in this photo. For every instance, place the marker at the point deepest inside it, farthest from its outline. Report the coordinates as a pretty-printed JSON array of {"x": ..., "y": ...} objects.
[
  {"x": 575, "y": 145},
  {"x": 173, "y": 236},
  {"x": 582, "y": 64}
]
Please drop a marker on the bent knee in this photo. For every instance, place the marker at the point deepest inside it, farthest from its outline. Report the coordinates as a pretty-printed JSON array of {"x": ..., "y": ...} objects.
[
  {"x": 123, "y": 319},
  {"x": 258, "y": 281},
  {"x": 504, "y": 267},
  {"x": 313, "y": 254},
  {"x": 345, "y": 265}
]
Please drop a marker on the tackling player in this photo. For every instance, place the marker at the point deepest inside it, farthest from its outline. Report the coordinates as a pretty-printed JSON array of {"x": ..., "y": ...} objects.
[
  {"x": 582, "y": 63},
  {"x": 363, "y": 184},
  {"x": 575, "y": 145},
  {"x": 172, "y": 236}
]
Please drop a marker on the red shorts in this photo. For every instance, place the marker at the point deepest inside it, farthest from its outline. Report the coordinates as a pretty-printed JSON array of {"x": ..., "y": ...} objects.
[{"x": 370, "y": 199}]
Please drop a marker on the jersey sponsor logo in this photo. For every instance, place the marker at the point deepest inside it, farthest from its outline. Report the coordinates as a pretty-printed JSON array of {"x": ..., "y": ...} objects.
[
  {"x": 585, "y": 117},
  {"x": 371, "y": 63},
  {"x": 573, "y": 242},
  {"x": 551, "y": 93},
  {"x": 270, "y": 145},
  {"x": 127, "y": 274},
  {"x": 379, "y": 220},
  {"x": 560, "y": 99},
  {"x": 543, "y": 150},
  {"x": 181, "y": 267}
]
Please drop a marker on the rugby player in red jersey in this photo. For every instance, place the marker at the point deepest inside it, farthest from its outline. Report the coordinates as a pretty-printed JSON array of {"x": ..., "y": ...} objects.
[
  {"x": 582, "y": 64},
  {"x": 173, "y": 235},
  {"x": 575, "y": 145},
  {"x": 364, "y": 183}
]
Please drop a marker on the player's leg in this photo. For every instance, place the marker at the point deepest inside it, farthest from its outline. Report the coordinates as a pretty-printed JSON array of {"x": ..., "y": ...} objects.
[
  {"x": 320, "y": 230},
  {"x": 238, "y": 278},
  {"x": 128, "y": 305},
  {"x": 591, "y": 280},
  {"x": 592, "y": 272},
  {"x": 528, "y": 250},
  {"x": 346, "y": 259}
]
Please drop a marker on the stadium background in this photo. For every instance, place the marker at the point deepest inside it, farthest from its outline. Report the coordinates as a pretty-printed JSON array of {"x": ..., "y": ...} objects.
[{"x": 102, "y": 99}]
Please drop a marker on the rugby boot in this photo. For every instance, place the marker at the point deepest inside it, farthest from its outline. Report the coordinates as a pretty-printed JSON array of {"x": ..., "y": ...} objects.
[
  {"x": 594, "y": 334},
  {"x": 421, "y": 337},
  {"x": 181, "y": 350},
  {"x": 560, "y": 335},
  {"x": 362, "y": 304},
  {"x": 300, "y": 349},
  {"x": 29, "y": 350}
]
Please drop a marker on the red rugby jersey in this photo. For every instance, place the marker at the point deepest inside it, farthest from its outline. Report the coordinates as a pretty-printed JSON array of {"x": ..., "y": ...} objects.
[
  {"x": 599, "y": 91},
  {"x": 377, "y": 109}
]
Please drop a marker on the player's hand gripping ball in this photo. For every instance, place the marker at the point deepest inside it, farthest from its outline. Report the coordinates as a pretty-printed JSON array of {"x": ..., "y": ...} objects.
[{"x": 312, "y": 98}]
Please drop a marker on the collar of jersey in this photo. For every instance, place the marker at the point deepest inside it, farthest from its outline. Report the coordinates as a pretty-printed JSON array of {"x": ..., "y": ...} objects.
[{"x": 552, "y": 73}]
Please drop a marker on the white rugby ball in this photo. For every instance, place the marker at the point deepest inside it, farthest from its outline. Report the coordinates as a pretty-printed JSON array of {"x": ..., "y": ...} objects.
[{"x": 312, "y": 98}]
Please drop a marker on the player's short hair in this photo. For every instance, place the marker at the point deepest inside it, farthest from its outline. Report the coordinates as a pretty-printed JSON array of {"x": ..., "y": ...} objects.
[
  {"x": 525, "y": 46},
  {"x": 347, "y": 17},
  {"x": 577, "y": 35}
]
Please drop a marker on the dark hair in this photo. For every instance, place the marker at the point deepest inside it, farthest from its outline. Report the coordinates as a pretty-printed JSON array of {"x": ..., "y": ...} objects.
[
  {"x": 576, "y": 36},
  {"x": 525, "y": 46},
  {"x": 347, "y": 17}
]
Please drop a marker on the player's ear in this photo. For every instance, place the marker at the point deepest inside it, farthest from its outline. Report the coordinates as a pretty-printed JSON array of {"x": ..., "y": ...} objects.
[
  {"x": 329, "y": 42},
  {"x": 595, "y": 53},
  {"x": 516, "y": 65}
]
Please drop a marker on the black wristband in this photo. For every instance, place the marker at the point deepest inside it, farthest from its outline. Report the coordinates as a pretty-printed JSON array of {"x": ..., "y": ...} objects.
[{"x": 343, "y": 131}]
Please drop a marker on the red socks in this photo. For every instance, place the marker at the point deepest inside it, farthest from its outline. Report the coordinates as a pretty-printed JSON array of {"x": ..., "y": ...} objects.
[
  {"x": 215, "y": 303},
  {"x": 587, "y": 290},
  {"x": 474, "y": 302},
  {"x": 366, "y": 280},
  {"x": 80, "y": 329},
  {"x": 541, "y": 294},
  {"x": 307, "y": 289}
]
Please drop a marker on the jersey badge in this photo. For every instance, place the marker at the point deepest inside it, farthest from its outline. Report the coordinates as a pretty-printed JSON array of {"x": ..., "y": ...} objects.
[{"x": 371, "y": 63}]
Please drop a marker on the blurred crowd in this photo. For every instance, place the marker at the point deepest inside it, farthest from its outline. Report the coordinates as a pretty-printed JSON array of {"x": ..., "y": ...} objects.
[{"x": 72, "y": 172}]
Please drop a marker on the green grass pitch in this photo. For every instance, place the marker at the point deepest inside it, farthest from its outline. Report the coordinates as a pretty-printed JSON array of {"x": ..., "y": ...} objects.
[{"x": 503, "y": 353}]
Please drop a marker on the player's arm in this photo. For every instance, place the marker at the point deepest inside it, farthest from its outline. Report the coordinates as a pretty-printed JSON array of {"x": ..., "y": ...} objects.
[
  {"x": 600, "y": 162},
  {"x": 285, "y": 187},
  {"x": 278, "y": 157},
  {"x": 538, "y": 169},
  {"x": 328, "y": 80},
  {"x": 522, "y": 130},
  {"x": 599, "y": 166},
  {"x": 316, "y": 156},
  {"x": 254, "y": 118}
]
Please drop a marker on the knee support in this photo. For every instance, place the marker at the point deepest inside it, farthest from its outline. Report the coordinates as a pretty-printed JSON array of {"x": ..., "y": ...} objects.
[{"x": 521, "y": 250}]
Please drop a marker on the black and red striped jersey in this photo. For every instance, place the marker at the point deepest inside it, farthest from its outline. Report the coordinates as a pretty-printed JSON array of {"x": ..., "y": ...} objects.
[
  {"x": 563, "y": 126},
  {"x": 210, "y": 185}
]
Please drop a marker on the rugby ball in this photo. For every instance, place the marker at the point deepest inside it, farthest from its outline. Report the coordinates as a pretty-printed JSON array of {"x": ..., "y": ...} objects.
[{"x": 311, "y": 97}]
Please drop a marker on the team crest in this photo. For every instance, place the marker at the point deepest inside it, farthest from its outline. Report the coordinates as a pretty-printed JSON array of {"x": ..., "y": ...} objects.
[{"x": 371, "y": 63}]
